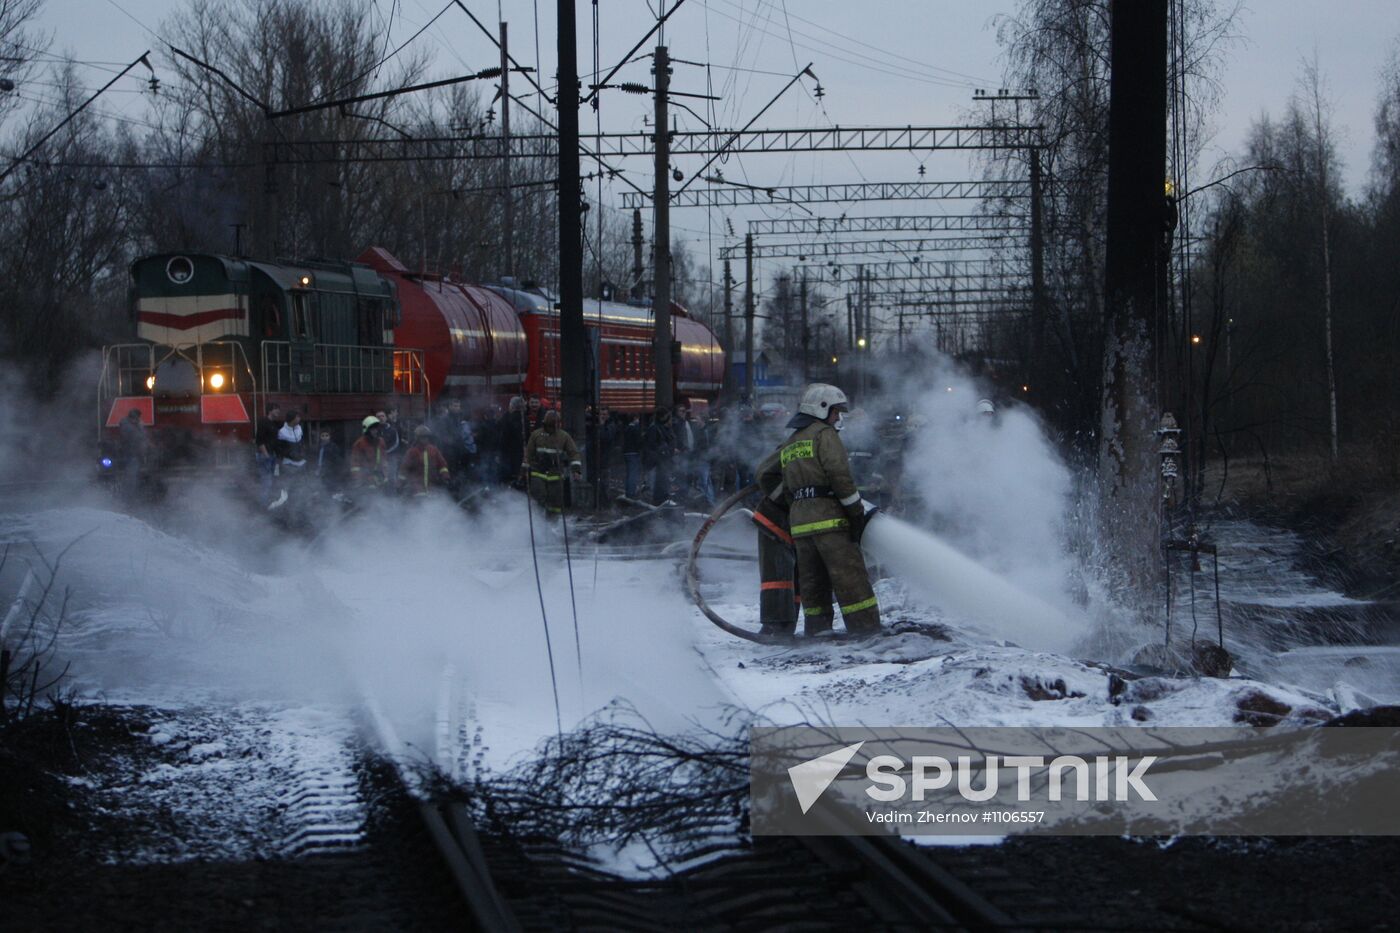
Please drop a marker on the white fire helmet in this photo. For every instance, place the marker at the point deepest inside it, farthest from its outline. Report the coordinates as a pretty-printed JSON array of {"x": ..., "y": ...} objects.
[
  {"x": 820, "y": 398},
  {"x": 985, "y": 407}
]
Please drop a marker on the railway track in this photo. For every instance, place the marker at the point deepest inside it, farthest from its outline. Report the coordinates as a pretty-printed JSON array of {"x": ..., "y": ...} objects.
[{"x": 844, "y": 882}]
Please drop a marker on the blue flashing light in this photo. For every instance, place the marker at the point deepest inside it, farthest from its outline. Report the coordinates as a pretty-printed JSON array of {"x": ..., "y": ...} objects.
[{"x": 106, "y": 463}]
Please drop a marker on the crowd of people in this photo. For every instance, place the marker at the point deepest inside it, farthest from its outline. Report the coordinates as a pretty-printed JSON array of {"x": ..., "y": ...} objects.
[{"x": 682, "y": 454}]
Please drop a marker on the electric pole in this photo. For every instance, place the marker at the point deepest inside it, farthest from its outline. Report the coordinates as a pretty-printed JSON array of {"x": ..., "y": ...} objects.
[
  {"x": 661, "y": 243},
  {"x": 1037, "y": 270},
  {"x": 639, "y": 269},
  {"x": 728, "y": 341},
  {"x": 506, "y": 194},
  {"x": 1134, "y": 285},
  {"x": 749, "y": 361},
  {"x": 573, "y": 338},
  {"x": 806, "y": 331}
]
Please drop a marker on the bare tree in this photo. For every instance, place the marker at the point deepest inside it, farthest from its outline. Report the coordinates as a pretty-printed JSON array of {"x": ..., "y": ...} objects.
[
  {"x": 20, "y": 43},
  {"x": 1319, "y": 108}
]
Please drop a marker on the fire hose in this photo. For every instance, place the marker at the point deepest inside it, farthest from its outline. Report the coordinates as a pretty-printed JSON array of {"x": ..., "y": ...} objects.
[{"x": 692, "y": 575}]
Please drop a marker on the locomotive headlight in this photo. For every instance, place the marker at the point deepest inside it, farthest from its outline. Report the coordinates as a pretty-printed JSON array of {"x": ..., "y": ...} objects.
[
  {"x": 216, "y": 381},
  {"x": 150, "y": 382}
]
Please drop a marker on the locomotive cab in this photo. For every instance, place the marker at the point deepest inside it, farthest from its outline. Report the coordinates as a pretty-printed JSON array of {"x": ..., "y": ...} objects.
[{"x": 220, "y": 338}]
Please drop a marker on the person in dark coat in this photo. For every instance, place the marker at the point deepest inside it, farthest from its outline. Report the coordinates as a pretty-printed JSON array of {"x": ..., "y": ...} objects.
[
  {"x": 132, "y": 449},
  {"x": 511, "y": 435},
  {"x": 632, "y": 444},
  {"x": 330, "y": 464},
  {"x": 534, "y": 415},
  {"x": 266, "y": 453},
  {"x": 660, "y": 448},
  {"x": 487, "y": 431}
]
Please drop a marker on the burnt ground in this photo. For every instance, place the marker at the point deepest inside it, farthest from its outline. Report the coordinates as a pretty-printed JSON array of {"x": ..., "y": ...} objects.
[
  {"x": 395, "y": 882},
  {"x": 51, "y": 790},
  {"x": 1244, "y": 884}
]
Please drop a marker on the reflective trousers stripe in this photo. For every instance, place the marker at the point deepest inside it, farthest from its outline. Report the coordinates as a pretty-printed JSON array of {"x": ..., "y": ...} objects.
[
  {"x": 547, "y": 477},
  {"x": 831, "y": 524},
  {"x": 852, "y": 499},
  {"x": 870, "y": 603},
  {"x": 816, "y": 610},
  {"x": 776, "y": 585}
]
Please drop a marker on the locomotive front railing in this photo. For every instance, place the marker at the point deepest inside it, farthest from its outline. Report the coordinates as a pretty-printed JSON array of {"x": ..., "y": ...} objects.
[{"x": 133, "y": 369}]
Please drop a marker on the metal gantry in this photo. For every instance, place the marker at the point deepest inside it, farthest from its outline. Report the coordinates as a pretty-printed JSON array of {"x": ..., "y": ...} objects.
[
  {"x": 919, "y": 268},
  {"x": 704, "y": 142},
  {"x": 907, "y": 246},
  {"x": 996, "y": 295},
  {"x": 800, "y": 226},
  {"x": 724, "y": 194}
]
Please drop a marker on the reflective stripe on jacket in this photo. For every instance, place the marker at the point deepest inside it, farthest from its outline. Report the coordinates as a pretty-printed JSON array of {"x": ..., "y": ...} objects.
[
  {"x": 550, "y": 451},
  {"x": 427, "y": 461},
  {"x": 367, "y": 457}
]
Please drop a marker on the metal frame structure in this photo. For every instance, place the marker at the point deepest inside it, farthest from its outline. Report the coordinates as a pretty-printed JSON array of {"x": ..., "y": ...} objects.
[
  {"x": 922, "y": 269},
  {"x": 913, "y": 223},
  {"x": 726, "y": 194},
  {"x": 706, "y": 142},
  {"x": 827, "y": 248}
]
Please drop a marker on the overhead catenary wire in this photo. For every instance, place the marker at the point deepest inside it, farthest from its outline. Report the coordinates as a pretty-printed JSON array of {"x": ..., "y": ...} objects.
[
  {"x": 9, "y": 170},
  {"x": 544, "y": 615}
]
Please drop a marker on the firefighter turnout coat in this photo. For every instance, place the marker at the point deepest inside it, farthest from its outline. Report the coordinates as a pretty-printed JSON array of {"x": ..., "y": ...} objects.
[
  {"x": 422, "y": 468},
  {"x": 548, "y": 454},
  {"x": 825, "y": 501},
  {"x": 778, "y": 597},
  {"x": 368, "y": 465}
]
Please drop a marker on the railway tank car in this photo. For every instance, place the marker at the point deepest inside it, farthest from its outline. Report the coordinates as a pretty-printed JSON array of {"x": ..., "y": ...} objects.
[
  {"x": 621, "y": 339},
  {"x": 472, "y": 341}
]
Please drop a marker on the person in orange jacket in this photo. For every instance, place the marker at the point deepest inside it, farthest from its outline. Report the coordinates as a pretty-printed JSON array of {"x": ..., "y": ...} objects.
[
  {"x": 424, "y": 466},
  {"x": 369, "y": 467}
]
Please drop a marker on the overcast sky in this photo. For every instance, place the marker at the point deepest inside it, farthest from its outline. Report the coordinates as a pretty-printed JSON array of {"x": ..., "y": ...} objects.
[{"x": 879, "y": 61}]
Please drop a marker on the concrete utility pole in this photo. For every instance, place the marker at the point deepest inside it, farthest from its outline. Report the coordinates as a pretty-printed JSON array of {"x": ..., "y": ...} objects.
[
  {"x": 573, "y": 338},
  {"x": 806, "y": 332},
  {"x": 1038, "y": 314},
  {"x": 661, "y": 244},
  {"x": 1135, "y": 281},
  {"x": 748, "y": 318},
  {"x": 726, "y": 382},
  {"x": 507, "y": 196},
  {"x": 639, "y": 269}
]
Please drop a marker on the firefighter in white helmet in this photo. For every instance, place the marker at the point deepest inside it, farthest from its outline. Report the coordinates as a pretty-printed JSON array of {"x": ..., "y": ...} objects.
[{"x": 827, "y": 516}]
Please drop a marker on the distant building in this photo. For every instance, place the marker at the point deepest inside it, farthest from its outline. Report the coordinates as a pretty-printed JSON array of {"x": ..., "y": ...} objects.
[{"x": 739, "y": 369}]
